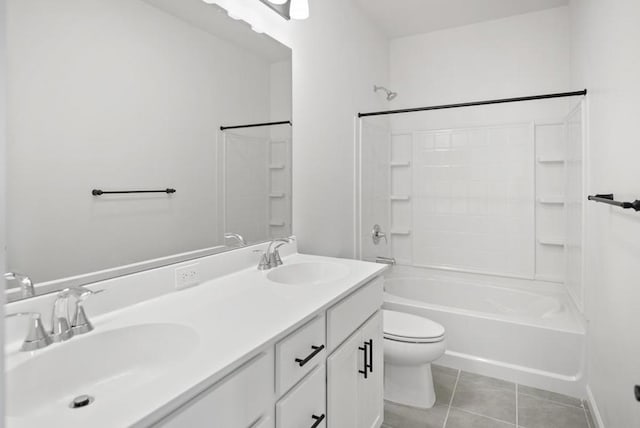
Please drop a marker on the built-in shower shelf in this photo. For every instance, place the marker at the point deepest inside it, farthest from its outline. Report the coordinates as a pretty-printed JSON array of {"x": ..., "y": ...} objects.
[
  {"x": 400, "y": 232},
  {"x": 276, "y": 166},
  {"x": 551, "y": 241},
  {"x": 551, "y": 200},
  {"x": 276, "y": 195},
  {"x": 400, "y": 197},
  {"x": 276, "y": 223},
  {"x": 544, "y": 159},
  {"x": 400, "y": 164}
]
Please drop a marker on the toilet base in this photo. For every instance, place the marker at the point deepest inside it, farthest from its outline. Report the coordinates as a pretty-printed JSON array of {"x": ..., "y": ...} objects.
[{"x": 409, "y": 385}]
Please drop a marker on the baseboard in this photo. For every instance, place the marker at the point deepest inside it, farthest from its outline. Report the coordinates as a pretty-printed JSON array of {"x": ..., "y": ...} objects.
[{"x": 593, "y": 407}]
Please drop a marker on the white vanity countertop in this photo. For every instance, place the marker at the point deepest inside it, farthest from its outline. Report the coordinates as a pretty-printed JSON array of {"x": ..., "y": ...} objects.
[{"x": 235, "y": 316}]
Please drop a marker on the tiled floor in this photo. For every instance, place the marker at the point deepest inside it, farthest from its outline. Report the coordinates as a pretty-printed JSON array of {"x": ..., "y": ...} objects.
[{"x": 467, "y": 400}]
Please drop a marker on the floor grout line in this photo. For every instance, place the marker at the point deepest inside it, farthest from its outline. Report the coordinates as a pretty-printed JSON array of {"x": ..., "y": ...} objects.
[
  {"x": 453, "y": 393},
  {"x": 552, "y": 401},
  {"x": 485, "y": 416}
]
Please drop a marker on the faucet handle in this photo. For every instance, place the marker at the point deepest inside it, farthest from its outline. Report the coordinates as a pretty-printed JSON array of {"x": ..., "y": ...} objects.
[
  {"x": 26, "y": 285},
  {"x": 37, "y": 337},
  {"x": 80, "y": 323},
  {"x": 264, "y": 262}
]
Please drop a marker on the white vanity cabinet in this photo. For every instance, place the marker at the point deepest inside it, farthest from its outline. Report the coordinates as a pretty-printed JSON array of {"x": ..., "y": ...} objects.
[
  {"x": 327, "y": 373},
  {"x": 243, "y": 399},
  {"x": 354, "y": 379}
]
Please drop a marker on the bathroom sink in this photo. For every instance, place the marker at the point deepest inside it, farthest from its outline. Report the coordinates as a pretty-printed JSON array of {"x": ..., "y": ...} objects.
[
  {"x": 98, "y": 364},
  {"x": 308, "y": 273}
]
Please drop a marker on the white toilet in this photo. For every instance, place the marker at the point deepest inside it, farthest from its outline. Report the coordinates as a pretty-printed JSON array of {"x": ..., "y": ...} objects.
[{"x": 411, "y": 344}]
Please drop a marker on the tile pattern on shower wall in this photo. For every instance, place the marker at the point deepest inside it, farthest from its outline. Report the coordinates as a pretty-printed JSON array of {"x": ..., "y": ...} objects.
[
  {"x": 473, "y": 193},
  {"x": 246, "y": 185}
]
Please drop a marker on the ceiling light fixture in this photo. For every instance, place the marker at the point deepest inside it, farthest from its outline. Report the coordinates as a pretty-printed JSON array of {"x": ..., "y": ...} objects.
[{"x": 299, "y": 9}]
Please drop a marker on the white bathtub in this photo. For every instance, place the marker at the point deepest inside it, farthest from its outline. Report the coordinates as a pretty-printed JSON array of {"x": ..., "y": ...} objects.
[{"x": 527, "y": 332}]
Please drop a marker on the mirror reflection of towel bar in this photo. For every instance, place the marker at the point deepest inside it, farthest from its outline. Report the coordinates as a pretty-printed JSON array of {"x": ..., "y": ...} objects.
[
  {"x": 98, "y": 192},
  {"x": 609, "y": 199}
]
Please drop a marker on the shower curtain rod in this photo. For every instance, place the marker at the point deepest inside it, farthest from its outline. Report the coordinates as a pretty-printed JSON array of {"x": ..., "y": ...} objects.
[
  {"x": 255, "y": 125},
  {"x": 476, "y": 103}
]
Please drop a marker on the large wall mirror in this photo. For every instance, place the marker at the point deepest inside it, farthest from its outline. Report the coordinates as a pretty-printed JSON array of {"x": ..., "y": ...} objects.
[{"x": 127, "y": 95}]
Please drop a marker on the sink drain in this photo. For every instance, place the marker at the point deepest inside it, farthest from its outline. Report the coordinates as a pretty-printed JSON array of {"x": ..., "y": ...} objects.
[{"x": 81, "y": 401}]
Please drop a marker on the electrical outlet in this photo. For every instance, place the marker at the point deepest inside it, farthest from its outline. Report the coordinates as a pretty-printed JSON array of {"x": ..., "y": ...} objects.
[{"x": 187, "y": 276}]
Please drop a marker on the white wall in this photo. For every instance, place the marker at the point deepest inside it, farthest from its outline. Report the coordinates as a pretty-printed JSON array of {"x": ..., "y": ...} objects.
[
  {"x": 521, "y": 55},
  {"x": 337, "y": 57},
  {"x": 117, "y": 95},
  {"x": 606, "y": 42}
]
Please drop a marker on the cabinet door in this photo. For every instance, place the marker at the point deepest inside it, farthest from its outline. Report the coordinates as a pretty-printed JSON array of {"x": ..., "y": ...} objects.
[
  {"x": 342, "y": 383},
  {"x": 370, "y": 389},
  {"x": 305, "y": 405},
  {"x": 238, "y": 401}
]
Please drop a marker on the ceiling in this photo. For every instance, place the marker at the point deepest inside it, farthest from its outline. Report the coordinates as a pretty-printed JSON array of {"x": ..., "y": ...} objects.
[
  {"x": 399, "y": 18},
  {"x": 214, "y": 20}
]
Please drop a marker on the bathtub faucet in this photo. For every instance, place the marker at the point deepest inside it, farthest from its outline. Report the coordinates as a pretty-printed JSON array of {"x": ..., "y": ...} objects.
[{"x": 386, "y": 260}]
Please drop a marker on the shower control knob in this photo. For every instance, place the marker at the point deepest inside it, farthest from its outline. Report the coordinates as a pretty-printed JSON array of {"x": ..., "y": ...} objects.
[{"x": 377, "y": 234}]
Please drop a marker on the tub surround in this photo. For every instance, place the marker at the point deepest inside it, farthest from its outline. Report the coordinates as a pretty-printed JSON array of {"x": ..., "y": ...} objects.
[
  {"x": 236, "y": 313},
  {"x": 524, "y": 331}
]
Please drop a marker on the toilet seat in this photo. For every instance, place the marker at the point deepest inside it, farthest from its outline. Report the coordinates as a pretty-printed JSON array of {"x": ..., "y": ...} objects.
[{"x": 408, "y": 328}]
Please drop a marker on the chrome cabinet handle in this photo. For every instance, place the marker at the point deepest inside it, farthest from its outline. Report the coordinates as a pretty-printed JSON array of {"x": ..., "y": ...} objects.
[
  {"x": 316, "y": 351},
  {"x": 318, "y": 420}
]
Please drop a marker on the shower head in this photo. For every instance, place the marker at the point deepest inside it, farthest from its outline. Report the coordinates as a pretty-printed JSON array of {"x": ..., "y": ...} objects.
[{"x": 390, "y": 94}]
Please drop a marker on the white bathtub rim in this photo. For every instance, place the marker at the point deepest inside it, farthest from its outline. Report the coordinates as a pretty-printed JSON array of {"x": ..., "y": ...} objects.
[
  {"x": 397, "y": 300},
  {"x": 573, "y": 386},
  {"x": 535, "y": 286}
]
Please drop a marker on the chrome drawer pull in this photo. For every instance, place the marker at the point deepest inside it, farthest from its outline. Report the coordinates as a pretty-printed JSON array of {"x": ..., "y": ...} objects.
[
  {"x": 316, "y": 351},
  {"x": 318, "y": 420}
]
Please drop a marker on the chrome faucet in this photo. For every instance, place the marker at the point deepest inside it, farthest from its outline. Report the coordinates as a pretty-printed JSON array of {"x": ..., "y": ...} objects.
[
  {"x": 26, "y": 285},
  {"x": 237, "y": 237},
  {"x": 64, "y": 325},
  {"x": 271, "y": 258},
  {"x": 37, "y": 337}
]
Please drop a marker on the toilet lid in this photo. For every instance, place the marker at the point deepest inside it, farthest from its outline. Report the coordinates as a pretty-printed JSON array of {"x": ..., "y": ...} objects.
[{"x": 410, "y": 328}]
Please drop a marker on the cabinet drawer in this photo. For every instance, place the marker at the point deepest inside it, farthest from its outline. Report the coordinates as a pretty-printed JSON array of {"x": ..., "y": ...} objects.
[
  {"x": 305, "y": 405},
  {"x": 299, "y": 353},
  {"x": 238, "y": 401},
  {"x": 346, "y": 316}
]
